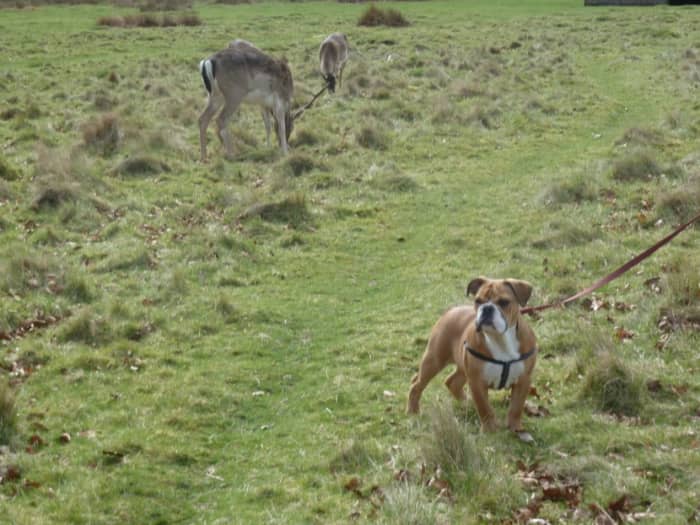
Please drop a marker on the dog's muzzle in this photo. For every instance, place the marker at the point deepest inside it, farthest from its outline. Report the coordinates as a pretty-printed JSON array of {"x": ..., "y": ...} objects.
[
  {"x": 485, "y": 316},
  {"x": 489, "y": 315}
]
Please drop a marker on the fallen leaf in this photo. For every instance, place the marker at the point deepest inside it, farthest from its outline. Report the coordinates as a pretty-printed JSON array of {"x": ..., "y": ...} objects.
[
  {"x": 353, "y": 485},
  {"x": 535, "y": 410},
  {"x": 679, "y": 390},
  {"x": 653, "y": 284},
  {"x": 623, "y": 334},
  {"x": 654, "y": 385},
  {"x": 569, "y": 492},
  {"x": 9, "y": 473},
  {"x": 402, "y": 475}
]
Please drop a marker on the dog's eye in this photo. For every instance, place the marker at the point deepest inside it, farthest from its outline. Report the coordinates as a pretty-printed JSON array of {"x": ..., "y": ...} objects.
[
  {"x": 478, "y": 302},
  {"x": 503, "y": 303}
]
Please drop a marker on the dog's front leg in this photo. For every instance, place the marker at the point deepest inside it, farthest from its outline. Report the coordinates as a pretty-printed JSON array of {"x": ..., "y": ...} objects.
[
  {"x": 480, "y": 395},
  {"x": 518, "y": 395}
]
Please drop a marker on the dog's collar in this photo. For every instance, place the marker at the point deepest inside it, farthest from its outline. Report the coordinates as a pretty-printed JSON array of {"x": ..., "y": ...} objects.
[{"x": 505, "y": 364}]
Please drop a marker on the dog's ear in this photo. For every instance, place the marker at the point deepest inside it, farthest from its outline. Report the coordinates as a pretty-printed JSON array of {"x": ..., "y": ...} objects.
[
  {"x": 521, "y": 289},
  {"x": 474, "y": 285}
]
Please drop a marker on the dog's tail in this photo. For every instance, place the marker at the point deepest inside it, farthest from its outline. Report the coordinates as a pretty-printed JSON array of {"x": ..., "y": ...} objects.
[{"x": 207, "y": 68}]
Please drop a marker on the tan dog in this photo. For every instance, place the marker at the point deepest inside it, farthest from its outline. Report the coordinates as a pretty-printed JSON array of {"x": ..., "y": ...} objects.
[{"x": 492, "y": 346}]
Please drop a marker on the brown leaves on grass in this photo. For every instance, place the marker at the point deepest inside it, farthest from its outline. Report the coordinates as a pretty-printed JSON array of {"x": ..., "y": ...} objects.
[
  {"x": 533, "y": 410},
  {"x": 569, "y": 490},
  {"x": 553, "y": 487},
  {"x": 9, "y": 473},
  {"x": 40, "y": 320},
  {"x": 619, "y": 510},
  {"x": 375, "y": 494}
]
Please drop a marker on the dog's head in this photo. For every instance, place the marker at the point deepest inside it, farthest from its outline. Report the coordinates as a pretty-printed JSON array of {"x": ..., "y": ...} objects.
[{"x": 497, "y": 302}]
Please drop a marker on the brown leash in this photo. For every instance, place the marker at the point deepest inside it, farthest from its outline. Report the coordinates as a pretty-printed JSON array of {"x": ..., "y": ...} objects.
[
  {"x": 299, "y": 112},
  {"x": 617, "y": 273}
]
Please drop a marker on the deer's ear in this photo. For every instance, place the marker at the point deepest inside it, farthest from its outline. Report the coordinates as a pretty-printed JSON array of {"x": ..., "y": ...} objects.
[{"x": 474, "y": 285}]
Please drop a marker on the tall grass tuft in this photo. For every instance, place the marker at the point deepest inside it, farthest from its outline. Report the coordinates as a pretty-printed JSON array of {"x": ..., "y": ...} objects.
[
  {"x": 8, "y": 414},
  {"x": 449, "y": 445},
  {"x": 682, "y": 202},
  {"x": 87, "y": 328},
  {"x": 292, "y": 211},
  {"x": 682, "y": 283},
  {"x": 374, "y": 16},
  {"x": 612, "y": 386},
  {"x": 354, "y": 456},
  {"x": 7, "y": 170},
  {"x": 574, "y": 190},
  {"x": 639, "y": 165},
  {"x": 102, "y": 134},
  {"x": 371, "y": 138},
  {"x": 640, "y": 137},
  {"x": 297, "y": 164},
  {"x": 408, "y": 504}
]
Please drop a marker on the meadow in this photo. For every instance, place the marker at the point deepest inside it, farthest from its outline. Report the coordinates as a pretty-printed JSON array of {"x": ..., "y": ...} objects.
[{"x": 232, "y": 342}]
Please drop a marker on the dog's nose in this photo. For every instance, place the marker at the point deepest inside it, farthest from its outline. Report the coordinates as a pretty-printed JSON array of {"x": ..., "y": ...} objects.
[{"x": 487, "y": 311}]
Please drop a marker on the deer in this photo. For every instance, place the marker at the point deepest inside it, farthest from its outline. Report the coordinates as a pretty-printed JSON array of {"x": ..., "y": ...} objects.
[
  {"x": 333, "y": 54},
  {"x": 242, "y": 73},
  {"x": 267, "y": 115}
]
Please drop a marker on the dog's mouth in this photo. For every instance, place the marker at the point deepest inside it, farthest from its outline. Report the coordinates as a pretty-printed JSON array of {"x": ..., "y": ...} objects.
[{"x": 490, "y": 319}]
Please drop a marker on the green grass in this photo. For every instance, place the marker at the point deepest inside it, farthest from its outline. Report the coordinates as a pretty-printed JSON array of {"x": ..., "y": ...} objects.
[{"x": 233, "y": 342}]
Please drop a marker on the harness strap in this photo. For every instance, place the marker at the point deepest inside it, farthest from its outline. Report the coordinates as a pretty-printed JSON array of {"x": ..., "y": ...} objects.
[{"x": 505, "y": 364}]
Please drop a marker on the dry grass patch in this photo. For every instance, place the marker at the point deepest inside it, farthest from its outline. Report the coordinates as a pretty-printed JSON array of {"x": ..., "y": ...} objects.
[
  {"x": 150, "y": 20},
  {"x": 102, "y": 134},
  {"x": 374, "y": 16}
]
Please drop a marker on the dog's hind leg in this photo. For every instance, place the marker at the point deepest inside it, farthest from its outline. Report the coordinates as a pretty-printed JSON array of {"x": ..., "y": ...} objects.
[
  {"x": 455, "y": 384},
  {"x": 429, "y": 367}
]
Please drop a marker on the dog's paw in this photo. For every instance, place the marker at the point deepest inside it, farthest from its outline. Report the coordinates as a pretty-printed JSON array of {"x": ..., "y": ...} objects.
[{"x": 525, "y": 437}]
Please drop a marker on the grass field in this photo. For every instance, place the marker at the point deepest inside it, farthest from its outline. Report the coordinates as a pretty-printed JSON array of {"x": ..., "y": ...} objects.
[{"x": 233, "y": 342}]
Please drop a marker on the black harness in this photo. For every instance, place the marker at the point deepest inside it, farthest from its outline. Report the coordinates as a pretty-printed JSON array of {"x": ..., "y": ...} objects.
[{"x": 504, "y": 364}]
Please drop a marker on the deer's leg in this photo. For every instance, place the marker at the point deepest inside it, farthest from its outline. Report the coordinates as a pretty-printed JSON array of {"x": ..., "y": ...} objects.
[
  {"x": 281, "y": 129},
  {"x": 233, "y": 100},
  {"x": 268, "y": 125},
  {"x": 213, "y": 105}
]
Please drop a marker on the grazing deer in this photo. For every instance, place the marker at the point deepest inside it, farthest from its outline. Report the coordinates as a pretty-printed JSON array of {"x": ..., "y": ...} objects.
[
  {"x": 333, "y": 54},
  {"x": 267, "y": 115},
  {"x": 243, "y": 73}
]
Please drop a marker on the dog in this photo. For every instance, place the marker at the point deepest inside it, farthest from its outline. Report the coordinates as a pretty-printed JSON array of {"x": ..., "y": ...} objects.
[{"x": 492, "y": 346}]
